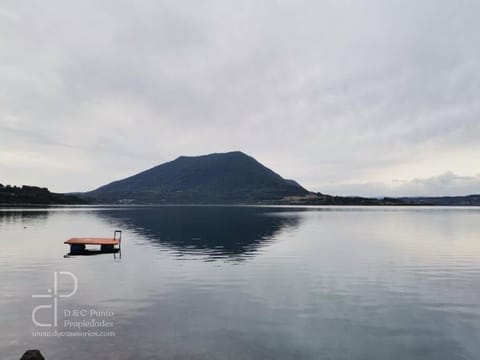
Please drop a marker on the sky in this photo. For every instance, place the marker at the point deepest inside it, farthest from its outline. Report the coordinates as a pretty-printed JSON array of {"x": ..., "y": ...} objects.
[{"x": 373, "y": 98}]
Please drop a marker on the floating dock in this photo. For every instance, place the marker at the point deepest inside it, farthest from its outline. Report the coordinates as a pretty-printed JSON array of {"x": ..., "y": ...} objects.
[{"x": 78, "y": 245}]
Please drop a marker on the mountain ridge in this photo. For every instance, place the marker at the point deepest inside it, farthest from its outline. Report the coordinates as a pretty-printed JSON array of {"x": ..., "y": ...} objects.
[
  {"x": 230, "y": 177},
  {"x": 234, "y": 178}
]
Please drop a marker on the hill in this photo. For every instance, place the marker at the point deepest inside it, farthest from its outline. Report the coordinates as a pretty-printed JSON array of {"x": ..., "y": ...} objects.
[
  {"x": 468, "y": 200},
  {"x": 232, "y": 177},
  {"x": 323, "y": 199},
  {"x": 33, "y": 195}
]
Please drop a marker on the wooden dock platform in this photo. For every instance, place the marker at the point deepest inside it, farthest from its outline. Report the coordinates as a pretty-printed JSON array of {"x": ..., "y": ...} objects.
[
  {"x": 92, "y": 241},
  {"x": 78, "y": 244}
]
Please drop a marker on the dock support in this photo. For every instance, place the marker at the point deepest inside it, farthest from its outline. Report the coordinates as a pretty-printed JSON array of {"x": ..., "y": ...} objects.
[
  {"x": 77, "y": 248},
  {"x": 106, "y": 248}
]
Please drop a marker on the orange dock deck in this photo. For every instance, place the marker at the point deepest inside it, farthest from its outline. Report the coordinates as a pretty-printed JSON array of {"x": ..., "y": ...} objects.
[{"x": 92, "y": 241}]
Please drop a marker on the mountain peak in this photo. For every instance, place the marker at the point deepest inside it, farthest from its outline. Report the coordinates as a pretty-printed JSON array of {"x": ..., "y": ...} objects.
[{"x": 235, "y": 153}]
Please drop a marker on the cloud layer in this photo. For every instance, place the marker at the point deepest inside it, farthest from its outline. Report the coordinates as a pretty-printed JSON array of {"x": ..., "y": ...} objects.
[
  {"x": 447, "y": 184},
  {"x": 328, "y": 93}
]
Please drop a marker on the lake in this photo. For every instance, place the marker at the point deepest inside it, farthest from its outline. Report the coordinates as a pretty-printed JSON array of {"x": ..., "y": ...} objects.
[{"x": 212, "y": 282}]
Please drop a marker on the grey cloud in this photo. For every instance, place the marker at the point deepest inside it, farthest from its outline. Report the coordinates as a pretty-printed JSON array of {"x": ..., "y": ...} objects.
[{"x": 323, "y": 92}]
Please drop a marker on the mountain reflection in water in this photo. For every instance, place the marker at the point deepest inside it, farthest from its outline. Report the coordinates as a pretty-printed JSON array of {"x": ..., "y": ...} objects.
[
  {"x": 23, "y": 216},
  {"x": 215, "y": 231}
]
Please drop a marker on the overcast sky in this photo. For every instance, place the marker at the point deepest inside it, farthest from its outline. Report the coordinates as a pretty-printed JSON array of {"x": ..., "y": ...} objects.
[{"x": 347, "y": 97}]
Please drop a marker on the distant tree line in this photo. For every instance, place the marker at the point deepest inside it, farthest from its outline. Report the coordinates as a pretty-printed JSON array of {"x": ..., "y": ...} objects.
[{"x": 11, "y": 194}]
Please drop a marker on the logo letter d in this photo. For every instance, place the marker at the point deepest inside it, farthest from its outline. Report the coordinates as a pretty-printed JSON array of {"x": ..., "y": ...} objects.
[{"x": 34, "y": 312}]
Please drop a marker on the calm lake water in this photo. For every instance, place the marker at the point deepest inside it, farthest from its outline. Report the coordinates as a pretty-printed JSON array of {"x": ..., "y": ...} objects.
[{"x": 244, "y": 283}]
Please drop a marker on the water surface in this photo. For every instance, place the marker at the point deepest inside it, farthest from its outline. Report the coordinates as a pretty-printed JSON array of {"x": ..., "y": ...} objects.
[{"x": 249, "y": 282}]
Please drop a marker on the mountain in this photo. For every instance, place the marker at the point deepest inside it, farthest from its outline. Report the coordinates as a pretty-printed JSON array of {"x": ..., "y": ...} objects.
[
  {"x": 33, "y": 195},
  {"x": 232, "y": 177}
]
